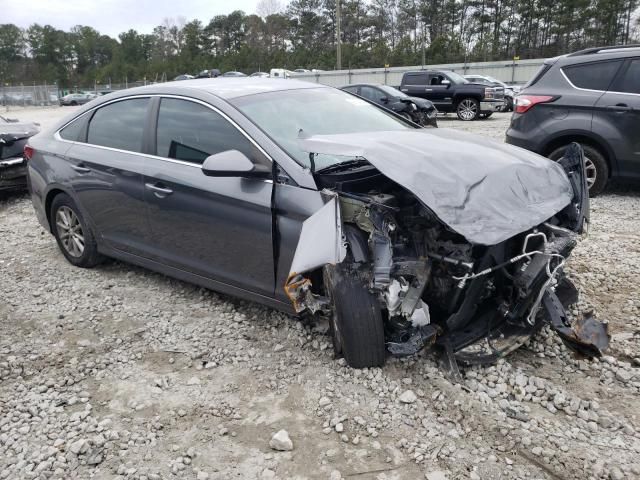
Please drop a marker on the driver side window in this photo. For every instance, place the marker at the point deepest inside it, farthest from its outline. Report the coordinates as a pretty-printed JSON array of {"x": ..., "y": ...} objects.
[{"x": 190, "y": 132}]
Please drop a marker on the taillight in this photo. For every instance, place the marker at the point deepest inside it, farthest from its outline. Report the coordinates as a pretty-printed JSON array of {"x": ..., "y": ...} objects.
[
  {"x": 28, "y": 152},
  {"x": 488, "y": 92},
  {"x": 523, "y": 103}
]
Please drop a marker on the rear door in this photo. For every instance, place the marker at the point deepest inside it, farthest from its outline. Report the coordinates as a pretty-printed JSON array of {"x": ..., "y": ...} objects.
[
  {"x": 106, "y": 168},
  {"x": 216, "y": 227},
  {"x": 619, "y": 108},
  {"x": 415, "y": 84}
]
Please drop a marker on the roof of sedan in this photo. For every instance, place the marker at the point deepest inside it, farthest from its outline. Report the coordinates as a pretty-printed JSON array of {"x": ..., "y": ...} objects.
[{"x": 232, "y": 87}]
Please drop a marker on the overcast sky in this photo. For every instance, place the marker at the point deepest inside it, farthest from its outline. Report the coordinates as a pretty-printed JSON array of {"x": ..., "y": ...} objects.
[{"x": 111, "y": 17}]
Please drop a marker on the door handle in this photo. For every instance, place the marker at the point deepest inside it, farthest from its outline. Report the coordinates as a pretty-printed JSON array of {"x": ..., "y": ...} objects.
[
  {"x": 159, "y": 192},
  {"x": 80, "y": 169},
  {"x": 619, "y": 107}
]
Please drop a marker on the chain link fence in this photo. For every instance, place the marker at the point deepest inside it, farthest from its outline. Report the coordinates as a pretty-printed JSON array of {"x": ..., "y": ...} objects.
[
  {"x": 16, "y": 96},
  {"x": 509, "y": 71},
  {"x": 28, "y": 95}
]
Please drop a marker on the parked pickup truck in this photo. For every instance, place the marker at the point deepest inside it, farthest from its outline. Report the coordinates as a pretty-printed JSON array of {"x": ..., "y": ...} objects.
[{"x": 451, "y": 92}]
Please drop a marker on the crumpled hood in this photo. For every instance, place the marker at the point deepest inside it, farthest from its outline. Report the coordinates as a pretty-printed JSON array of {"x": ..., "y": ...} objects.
[
  {"x": 484, "y": 190},
  {"x": 422, "y": 103}
]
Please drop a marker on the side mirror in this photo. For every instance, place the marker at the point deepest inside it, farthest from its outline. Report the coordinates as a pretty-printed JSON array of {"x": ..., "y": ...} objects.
[
  {"x": 384, "y": 99},
  {"x": 232, "y": 163},
  {"x": 445, "y": 82}
]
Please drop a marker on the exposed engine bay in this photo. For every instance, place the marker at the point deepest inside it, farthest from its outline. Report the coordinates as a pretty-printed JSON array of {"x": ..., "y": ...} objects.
[{"x": 434, "y": 287}]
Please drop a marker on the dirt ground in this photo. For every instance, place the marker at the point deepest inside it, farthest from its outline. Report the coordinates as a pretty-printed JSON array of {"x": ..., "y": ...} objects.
[{"x": 118, "y": 372}]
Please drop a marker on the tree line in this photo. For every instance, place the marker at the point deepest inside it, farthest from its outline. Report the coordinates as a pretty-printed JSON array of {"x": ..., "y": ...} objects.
[{"x": 302, "y": 34}]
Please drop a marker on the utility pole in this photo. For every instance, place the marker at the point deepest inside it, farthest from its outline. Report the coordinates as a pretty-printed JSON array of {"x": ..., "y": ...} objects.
[{"x": 338, "y": 39}]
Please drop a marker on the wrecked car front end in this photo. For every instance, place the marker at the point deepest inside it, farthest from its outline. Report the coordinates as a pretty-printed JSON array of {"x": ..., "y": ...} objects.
[
  {"x": 13, "y": 166},
  {"x": 462, "y": 242}
]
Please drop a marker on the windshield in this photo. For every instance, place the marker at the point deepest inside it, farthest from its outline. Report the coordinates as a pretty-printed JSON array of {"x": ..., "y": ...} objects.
[
  {"x": 393, "y": 92},
  {"x": 285, "y": 114},
  {"x": 456, "y": 77}
]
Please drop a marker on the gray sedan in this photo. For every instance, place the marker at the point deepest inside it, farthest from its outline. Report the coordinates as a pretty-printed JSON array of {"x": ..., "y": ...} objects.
[
  {"x": 308, "y": 199},
  {"x": 76, "y": 99}
]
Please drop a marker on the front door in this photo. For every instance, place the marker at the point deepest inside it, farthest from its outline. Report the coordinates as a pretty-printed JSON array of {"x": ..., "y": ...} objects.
[
  {"x": 619, "y": 110},
  {"x": 439, "y": 93},
  {"x": 219, "y": 228}
]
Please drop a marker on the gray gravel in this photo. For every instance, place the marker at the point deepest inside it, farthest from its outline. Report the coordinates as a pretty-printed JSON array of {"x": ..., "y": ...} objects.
[{"x": 118, "y": 372}]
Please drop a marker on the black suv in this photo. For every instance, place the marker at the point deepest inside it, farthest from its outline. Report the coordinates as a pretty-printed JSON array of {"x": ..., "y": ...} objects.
[{"x": 591, "y": 97}]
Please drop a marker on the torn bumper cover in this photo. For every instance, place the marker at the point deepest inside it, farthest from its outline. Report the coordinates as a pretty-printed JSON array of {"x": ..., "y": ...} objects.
[
  {"x": 464, "y": 245},
  {"x": 320, "y": 244}
]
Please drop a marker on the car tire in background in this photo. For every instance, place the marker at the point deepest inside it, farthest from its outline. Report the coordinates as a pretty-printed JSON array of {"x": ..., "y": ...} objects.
[
  {"x": 468, "y": 109},
  {"x": 356, "y": 321},
  {"x": 508, "y": 104},
  {"x": 597, "y": 167},
  {"x": 74, "y": 236},
  {"x": 486, "y": 115}
]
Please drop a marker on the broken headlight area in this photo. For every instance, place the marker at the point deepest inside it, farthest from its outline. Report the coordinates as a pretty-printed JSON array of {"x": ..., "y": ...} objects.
[{"x": 477, "y": 302}]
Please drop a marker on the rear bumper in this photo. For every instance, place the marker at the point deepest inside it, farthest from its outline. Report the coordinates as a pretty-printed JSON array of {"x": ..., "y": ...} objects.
[
  {"x": 526, "y": 140},
  {"x": 13, "y": 173}
]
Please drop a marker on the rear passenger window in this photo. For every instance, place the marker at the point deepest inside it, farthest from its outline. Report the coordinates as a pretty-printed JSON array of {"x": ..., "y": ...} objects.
[
  {"x": 119, "y": 125},
  {"x": 630, "y": 81},
  {"x": 592, "y": 76},
  {"x": 191, "y": 132},
  {"x": 416, "y": 79},
  {"x": 73, "y": 131}
]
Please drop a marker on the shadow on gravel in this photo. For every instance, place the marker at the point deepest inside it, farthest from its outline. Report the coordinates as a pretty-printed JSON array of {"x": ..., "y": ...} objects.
[
  {"x": 9, "y": 195},
  {"x": 628, "y": 188}
]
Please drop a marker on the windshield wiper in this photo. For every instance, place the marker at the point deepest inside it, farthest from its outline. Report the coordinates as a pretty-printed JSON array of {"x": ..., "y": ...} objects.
[{"x": 346, "y": 165}]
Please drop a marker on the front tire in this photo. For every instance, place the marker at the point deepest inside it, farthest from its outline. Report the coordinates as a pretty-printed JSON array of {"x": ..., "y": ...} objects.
[
  {"x": 468, "y": 109},
  {"x": 596, "y": 167},
  {"x": 74, "y": 236},
  {"x": 356, "y": 323}
]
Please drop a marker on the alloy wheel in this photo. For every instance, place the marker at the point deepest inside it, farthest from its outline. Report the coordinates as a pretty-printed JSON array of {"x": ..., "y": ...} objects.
[
  {"x": 591, "y": 171},
  {"x": 467, "y": 109},
  {"x": 70, "y": 231}
]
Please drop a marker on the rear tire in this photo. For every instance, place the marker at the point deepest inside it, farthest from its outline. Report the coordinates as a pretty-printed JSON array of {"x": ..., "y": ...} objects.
[
  {"x": 468, "y": 109},
  {"x": 597, "y": 167},
  {"x": 74, "y": 236},
  {"x": 356, "y": 323}
]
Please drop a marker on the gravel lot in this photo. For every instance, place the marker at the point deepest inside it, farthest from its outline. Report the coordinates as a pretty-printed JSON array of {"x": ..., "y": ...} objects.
[{"x": 118, "y": 372}]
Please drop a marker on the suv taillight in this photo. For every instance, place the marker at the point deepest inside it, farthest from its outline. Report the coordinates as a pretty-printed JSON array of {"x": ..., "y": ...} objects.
[
  {"x": 27, "y": 152},
  {"x": 488, "y": 92},
  {"x": 523, "y": 103}
]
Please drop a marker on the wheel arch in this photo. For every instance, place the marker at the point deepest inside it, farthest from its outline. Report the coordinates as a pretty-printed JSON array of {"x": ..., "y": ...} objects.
[
  {"x": 586, "y": 138},
  {"x": 461, "y": 96},
  {"x": 51, "y": 194}
]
